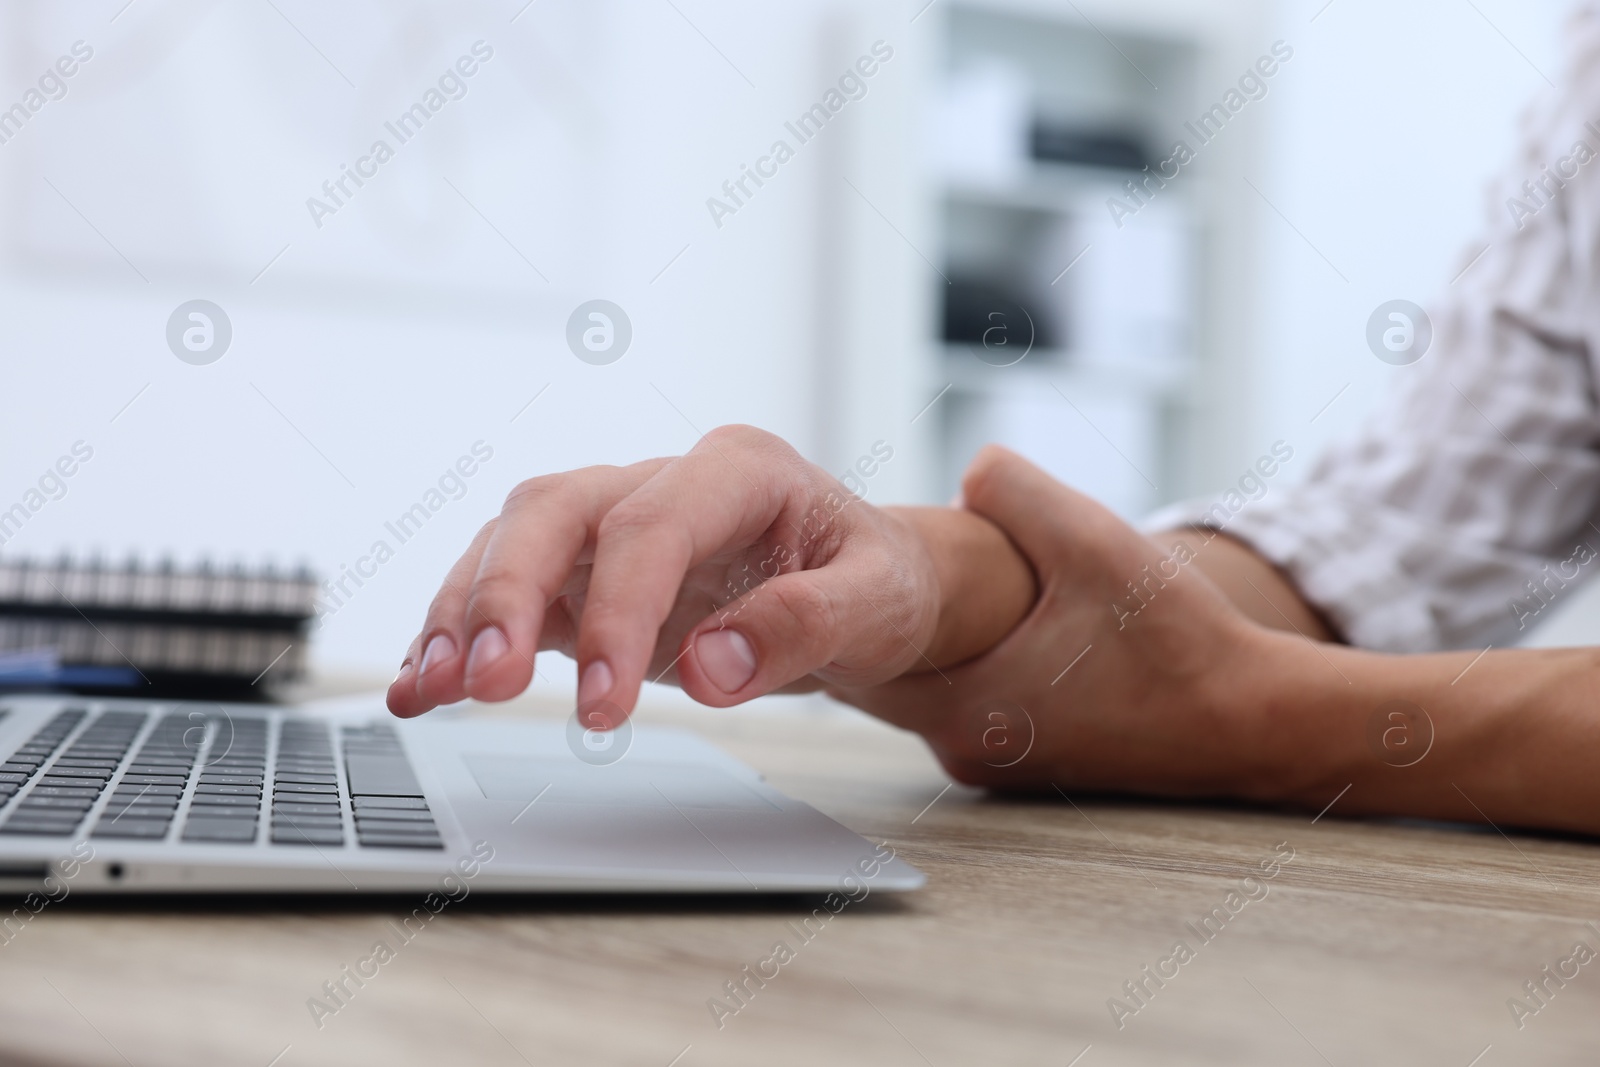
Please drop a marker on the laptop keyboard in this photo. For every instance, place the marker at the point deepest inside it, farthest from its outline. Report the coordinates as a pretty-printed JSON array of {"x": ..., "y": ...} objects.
[{"x": 202, "y": 778}]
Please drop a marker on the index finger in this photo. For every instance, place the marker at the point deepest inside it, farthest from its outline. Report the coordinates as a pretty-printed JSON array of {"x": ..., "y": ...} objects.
[
  {"x": 728, "y": 490},
  {"x": 547, "y": 528},
  {"x": 504, "y": 584}
]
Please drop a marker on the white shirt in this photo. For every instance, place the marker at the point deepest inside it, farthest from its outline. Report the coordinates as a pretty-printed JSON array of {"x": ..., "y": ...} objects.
[{"x": 1472, "y": 498}]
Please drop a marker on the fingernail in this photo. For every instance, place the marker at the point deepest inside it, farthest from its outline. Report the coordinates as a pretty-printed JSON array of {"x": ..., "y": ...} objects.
[
  {"x": 727, "y": 659},
  {"x": 595, "y": 683},
  {"x": 440, "y": 650},
  {"x": 487, "y": 648},
  {"x": 402, "y": 674}
]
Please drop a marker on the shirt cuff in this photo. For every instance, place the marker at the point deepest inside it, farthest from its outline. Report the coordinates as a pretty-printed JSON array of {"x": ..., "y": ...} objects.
[{"x": 1367, "y": 569}]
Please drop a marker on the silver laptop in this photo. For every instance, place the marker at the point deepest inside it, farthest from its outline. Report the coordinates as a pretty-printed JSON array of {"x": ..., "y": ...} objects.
[{"x": 124, "y": 796}]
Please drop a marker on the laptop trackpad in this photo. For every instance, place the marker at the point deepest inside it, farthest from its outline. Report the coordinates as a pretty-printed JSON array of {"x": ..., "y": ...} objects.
[{"x": 627, "y": 783}]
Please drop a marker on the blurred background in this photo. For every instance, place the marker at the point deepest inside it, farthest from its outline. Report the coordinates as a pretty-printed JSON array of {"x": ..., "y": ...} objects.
[{"x": 932, "y": 264}]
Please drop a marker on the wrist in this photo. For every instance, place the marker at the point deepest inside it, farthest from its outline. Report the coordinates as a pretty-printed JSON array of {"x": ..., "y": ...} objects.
[
  {"x": 1266, "y": 692},
  {"x": 980, "y": 587}
]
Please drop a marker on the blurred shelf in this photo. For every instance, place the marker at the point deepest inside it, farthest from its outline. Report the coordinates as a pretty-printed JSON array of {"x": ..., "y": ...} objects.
[
  {"x": 1058, "y": 188},
  {"x": 1023, "y": 76},
  {"x": 1175, "y": 24},
  {"x": 1152, "y": 379}
]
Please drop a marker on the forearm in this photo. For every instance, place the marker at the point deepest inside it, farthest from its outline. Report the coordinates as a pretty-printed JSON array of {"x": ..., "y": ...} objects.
[
  {"x": 1511, "y": 737},
  {"x": 985, "y": 586},
  {"x": 1260, "y": 591}
]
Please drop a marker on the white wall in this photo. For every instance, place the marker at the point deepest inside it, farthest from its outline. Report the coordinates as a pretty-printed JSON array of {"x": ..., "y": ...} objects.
[
  {"x": 407, "y": 328},
  {"x": 1382, "y": 141},
  {"x": 1382, "y": 136}
]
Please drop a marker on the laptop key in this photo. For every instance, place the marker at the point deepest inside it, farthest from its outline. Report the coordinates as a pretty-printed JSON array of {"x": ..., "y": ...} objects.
[
  {"x": 154, "y": 779},
  {"x": 144, "y": 829},
  {"x": 308, "y": 800},
  {"x": 229, "y": 790},
  {"x": 381, "y": 776},
  {"x": 391, "y": 826},
  {"x": 14, "y": 777},
  {"x": 145, "y": 791},
  {"x": 50, "y": 815},
  {"x": 299, "y": 787},
  {"x": 76, "y": 790},
  {"x": 279, "y": 808},
  {"x": 307, "y": 822},
  {"x": 230, "y": 779},
  {"x": 91, "y": 784},
  {"x": 51, "y": 829},
  {"x": 294, "y": 835},
  {"x": 204, "y": 811},
  {"x": 136, "y": 813},
  {"x": 411, "y": 803},
  {"x": 97, "y": 773},
  {"x": 304, "y": 778},
  {"x": 227, "y": 800},
  {"x": 407, "y": 815},
  {"x": 399, "y": 841},
  {"x": 147, "y": 799},
  {"x": 220, "y": 830},
  {"x": 66, "y": 803},
  {"x": 70, "y": 816}
]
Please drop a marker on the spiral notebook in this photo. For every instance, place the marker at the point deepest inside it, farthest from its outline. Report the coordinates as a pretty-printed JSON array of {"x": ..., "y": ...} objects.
[{"x": 155, "y": 631}]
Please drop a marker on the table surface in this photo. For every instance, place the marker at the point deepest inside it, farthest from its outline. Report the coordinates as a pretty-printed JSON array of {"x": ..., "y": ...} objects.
[{"x": 1377, "y": 943}]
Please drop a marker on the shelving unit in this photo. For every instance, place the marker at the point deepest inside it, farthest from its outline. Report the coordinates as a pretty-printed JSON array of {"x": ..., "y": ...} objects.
[
  {"x": 1132, "y": 411},
  {"x": 1099, "y": 402}
]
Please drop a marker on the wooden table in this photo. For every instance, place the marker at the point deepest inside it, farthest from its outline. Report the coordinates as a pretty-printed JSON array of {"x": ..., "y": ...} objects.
[{"x": 1377, "y": 943}]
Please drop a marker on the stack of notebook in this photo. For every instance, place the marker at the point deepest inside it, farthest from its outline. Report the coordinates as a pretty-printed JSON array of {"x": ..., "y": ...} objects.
[{"x": 158, "y": 631}]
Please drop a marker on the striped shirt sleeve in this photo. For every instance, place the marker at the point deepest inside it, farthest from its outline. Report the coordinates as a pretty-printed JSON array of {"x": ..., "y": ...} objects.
[{"x": 1469, "y": 500}]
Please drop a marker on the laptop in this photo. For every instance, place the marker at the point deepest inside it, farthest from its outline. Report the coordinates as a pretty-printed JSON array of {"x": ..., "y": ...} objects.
[{"x": 158, "y": 797}]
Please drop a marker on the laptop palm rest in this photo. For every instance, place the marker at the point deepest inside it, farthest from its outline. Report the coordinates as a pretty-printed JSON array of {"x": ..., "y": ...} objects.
[{"x": 626, "y": 784}]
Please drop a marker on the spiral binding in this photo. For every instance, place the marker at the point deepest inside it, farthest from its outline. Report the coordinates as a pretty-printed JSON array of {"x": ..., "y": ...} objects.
[{"x": 177, "y": 627}]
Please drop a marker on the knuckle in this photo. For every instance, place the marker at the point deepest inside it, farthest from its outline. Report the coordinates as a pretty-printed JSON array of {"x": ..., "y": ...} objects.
[
  {"x": 739, "y": 436},
  {"x": 632, "y": 518},
  {"x": 493, "y": 586},
  {"x": 444, "y": 608},
  {"x": 537, "y": 492},
  {"x": 812, "y": 609},
  {"x": 607, "y": 624}
]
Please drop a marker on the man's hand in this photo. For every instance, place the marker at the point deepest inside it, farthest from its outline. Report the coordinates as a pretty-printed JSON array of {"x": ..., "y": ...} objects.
[
  {"x": 1120, "y": 676},
  {"x": 1137, "y": 672},
  {"x": 1093, "y": 659},
  {"x": 734, "y": 571}
]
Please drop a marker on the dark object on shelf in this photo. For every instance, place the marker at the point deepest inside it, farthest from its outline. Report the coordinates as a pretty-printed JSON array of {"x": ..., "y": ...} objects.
[
  {"x": 162, "y": 632},
  {"x": 1000, "y": 328},
  {"x": 1054, "y": 143}
]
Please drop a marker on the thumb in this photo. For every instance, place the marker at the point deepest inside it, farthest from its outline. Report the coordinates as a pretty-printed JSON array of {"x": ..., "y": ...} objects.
[
  {"x": 835, "y": 619},
  {"x": 1040, "y": 514}
]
